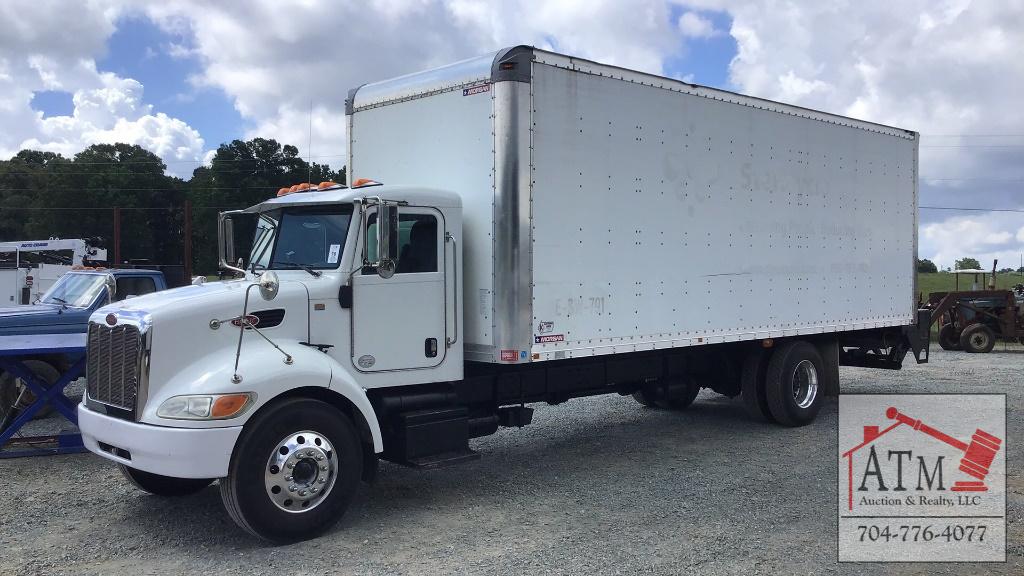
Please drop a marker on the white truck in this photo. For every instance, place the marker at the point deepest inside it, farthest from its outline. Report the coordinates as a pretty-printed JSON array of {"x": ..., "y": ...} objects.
[
  {"x": 550, "y": 228},
  {"x": 28, "y": 268}
]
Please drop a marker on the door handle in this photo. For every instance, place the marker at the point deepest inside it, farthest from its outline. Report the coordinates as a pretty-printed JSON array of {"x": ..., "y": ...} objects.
[{"x": 430, "y": 347}]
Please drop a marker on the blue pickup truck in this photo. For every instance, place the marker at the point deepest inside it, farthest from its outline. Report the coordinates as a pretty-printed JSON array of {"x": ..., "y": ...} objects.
[{"x": 65, "y": 309}]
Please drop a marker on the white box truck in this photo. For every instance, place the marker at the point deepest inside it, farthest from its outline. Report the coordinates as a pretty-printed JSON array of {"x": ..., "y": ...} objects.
[
  {"x": 549, "y": 228},
  {"x": 28, "y": 268}
]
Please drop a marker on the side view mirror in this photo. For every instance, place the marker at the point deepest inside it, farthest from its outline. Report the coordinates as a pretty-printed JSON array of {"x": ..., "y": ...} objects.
[
  {"x": 110, "y": 284},
  {"x": 387, "y": 240},
  {"x": 269, "y": 285},
  {"x": 226, "y": 241}
]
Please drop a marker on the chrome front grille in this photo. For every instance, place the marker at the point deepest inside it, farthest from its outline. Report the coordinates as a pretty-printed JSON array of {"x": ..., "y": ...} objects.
[{"x": 113, "y": 364}]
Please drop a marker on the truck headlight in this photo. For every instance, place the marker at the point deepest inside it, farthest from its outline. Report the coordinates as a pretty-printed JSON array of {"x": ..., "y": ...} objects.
[{"x": 206, "y": 407}]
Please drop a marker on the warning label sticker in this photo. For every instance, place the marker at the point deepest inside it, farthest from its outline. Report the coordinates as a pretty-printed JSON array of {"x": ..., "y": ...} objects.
[{"x": 476, "y": 89}]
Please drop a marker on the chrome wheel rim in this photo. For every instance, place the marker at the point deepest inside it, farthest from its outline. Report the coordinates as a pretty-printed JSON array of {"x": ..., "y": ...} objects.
[
  {"x": 301, "y": 471},
  {"x": 805, "y": 384}
]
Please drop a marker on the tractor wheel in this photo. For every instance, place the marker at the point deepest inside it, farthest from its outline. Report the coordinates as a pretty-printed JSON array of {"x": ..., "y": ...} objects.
[
  {"x": 948, "y": 338},
  {"x": 978, "y": 339}
]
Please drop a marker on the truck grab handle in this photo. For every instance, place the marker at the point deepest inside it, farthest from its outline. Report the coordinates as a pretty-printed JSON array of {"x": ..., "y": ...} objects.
[{"x": 449, "y": 237}]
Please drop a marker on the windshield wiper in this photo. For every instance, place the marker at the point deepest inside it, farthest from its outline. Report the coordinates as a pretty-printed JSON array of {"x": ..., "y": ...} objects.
[
  {"x": 63, "y": 302},
  {"x": 306, "y": 267}
]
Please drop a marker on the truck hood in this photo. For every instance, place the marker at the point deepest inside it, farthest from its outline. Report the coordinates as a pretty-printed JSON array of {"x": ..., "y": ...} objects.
[
  {"x": 180, "y": 332},
  {"x": 174, "y": 299},
  {"x": 42, "y": 319}
]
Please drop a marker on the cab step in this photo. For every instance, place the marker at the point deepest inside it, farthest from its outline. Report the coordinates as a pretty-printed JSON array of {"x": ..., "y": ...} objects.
[{"x": 442, "y": 460}]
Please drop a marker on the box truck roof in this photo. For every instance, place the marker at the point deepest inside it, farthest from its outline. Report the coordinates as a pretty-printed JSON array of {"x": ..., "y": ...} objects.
[
  {"x": 416, "y": 196},
  {"x": 513, "y": 64}
]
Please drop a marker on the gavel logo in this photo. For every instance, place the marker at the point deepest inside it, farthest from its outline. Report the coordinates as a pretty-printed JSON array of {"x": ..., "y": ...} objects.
[{"x": 978, "y": 455}]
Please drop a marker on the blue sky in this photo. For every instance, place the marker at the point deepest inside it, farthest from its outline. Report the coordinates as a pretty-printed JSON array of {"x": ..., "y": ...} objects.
[
  {"x": 707, "y": 59},
  {"x": 141, "y": 50}
]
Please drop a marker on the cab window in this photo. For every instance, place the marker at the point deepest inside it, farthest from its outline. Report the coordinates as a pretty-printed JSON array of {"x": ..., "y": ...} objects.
[
  {"x": 134, "y": 286},
  {"x": 417, "y": 243}
]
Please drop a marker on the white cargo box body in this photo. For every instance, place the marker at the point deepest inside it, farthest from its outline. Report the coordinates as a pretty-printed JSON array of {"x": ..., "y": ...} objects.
[{"x": 610, "y": 211}]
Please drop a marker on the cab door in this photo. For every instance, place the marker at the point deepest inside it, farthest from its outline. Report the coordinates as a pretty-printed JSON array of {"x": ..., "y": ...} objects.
[{"x": 398, "y": 323}]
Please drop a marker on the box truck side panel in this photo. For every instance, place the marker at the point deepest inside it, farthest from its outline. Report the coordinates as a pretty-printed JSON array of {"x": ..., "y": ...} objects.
[
  {"x": 664, "y": 219},
  {"x": 445, "y": 141}
]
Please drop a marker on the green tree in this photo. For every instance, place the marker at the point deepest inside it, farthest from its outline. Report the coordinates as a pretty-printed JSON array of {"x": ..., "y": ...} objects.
[
  {"x": 43, "y": 194},
  {"x": 926, "y": 265},
  {"x": 23, "y": 180},
  {"x": 966, "y": 263},
  {"x": 243, "y": 173}
]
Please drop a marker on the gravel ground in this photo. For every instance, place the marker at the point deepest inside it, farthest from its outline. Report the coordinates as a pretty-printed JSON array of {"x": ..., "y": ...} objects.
[{"x": 595, "y": 485}]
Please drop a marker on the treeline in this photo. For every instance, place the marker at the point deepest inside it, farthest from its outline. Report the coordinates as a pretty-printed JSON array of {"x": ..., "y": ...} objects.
[{"x": 43, "y": 195}]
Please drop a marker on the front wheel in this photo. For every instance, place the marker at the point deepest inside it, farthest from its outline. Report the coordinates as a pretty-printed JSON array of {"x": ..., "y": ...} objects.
[
  {"x": 294, "y": 472},
  {"x": 978, "y": 339},
  {"x": 163, "y": 485},
  {"x": 793, "y": 383}
]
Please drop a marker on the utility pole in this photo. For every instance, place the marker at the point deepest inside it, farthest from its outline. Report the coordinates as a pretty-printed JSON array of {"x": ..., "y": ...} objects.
[
  {"x": 117, "y": 237},
  {"x": 188, "y": 240}
]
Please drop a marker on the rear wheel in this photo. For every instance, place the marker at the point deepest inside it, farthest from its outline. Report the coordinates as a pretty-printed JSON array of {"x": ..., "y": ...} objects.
[
  {"x": 163, "y": 485},
  {"x": 948, "y": 338},
  {"x": 793, "y": 383},
  {"x": 294, "y": 471},
  {"x": 755, "y": 367},
  {"x": 978, "y": 339}
]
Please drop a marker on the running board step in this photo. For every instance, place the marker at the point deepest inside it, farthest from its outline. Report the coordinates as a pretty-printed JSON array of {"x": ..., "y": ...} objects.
[
  {"x": 430, "y": 437},
  {"x": 442, "y": 460}
]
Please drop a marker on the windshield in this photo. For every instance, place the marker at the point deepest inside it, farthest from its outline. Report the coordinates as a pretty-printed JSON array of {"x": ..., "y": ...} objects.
[
  {"x": 310, "y": 237},
  {"x": 76, "y": 290}
]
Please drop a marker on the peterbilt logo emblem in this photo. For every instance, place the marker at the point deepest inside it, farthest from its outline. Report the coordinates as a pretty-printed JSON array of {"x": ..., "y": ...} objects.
[
  {"x": 249, "y": 320},
  {"x": 111, "y": 319}
]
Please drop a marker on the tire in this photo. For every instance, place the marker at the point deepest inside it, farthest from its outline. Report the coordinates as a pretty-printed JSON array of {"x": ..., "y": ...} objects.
[
  {"x": 11, "y": 387},
  {"x": 261, "y": 490},
  {"x": 645, "y": 398},
  {"x": 948, "y": 340},
  {"x": 977, "y": 339},
  {"x": 793, "y": 383},
  {"x": 163, "y": 485},
  {"x": 752, "y": 378},
  {"x": 679, "y": 393}
]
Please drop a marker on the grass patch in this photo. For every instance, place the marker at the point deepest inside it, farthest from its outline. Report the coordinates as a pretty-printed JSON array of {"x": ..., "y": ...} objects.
[{"x": 928, "y": 282}]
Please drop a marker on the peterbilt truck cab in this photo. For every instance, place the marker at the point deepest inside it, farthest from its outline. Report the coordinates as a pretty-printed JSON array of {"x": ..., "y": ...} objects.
[{"x": 262, "y": 381}]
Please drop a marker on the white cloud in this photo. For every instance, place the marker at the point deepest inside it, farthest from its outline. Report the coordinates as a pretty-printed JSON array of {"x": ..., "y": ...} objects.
[
  {"x": 693, "y": 25},
  {"x": 985, "y": 236},
  {"x": 314, "y": 52},
  {"x": 50, "y": 45}
]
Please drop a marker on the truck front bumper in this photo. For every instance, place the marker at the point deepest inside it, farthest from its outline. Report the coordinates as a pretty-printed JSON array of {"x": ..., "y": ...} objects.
[{"x": 175, "y": 452}]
